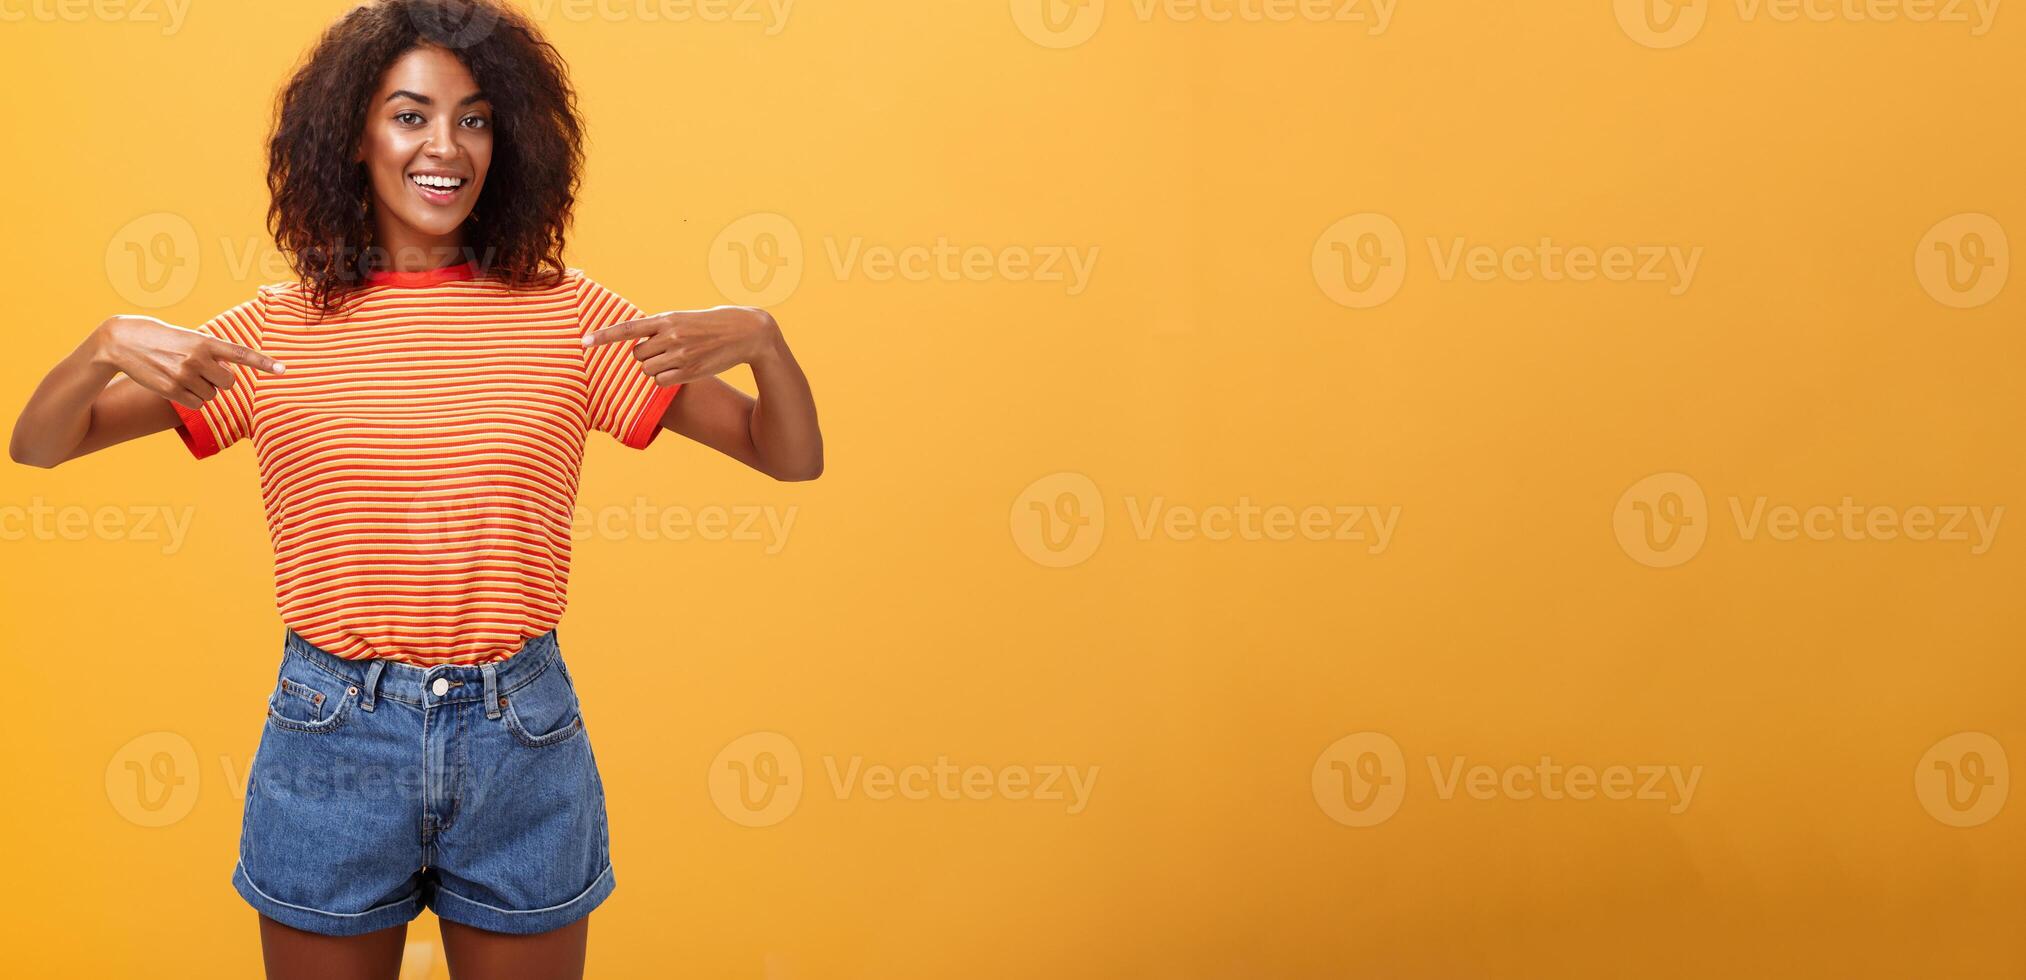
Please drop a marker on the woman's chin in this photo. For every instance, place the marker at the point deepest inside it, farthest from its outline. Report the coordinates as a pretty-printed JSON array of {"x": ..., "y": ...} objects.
[
  {"x": 435, "y": 225},
  {"x": 440, "y": 225}
]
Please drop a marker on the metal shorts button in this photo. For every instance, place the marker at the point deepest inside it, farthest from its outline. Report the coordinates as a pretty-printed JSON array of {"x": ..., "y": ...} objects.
[{"x": 441, "y": 687}]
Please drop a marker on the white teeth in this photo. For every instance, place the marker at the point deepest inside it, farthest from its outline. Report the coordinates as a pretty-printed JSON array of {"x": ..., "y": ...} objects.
[{"x": 441, "y": 183}]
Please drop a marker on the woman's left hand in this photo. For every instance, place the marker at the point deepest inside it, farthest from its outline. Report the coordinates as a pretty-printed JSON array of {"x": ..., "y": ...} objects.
[{"x": 690, "y": 345}]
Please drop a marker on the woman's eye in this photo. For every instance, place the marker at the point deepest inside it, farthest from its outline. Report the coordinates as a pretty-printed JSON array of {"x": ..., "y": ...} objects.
[
  {"x": 408, "y": 117},
  {"x": 477, "y": 122}
]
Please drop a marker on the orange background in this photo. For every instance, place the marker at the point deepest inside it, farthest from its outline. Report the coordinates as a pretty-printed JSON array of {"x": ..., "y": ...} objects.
[{"x": 1219, "y": 687}]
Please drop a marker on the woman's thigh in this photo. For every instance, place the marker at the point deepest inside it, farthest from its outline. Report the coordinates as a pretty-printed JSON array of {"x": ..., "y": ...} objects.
[
  {"x": 480, "y": 955},
  {"x": 293, "y": 954}
]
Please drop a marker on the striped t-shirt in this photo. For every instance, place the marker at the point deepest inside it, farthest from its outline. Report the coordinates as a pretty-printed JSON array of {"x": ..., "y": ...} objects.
[{"x": 419, "y": 456}]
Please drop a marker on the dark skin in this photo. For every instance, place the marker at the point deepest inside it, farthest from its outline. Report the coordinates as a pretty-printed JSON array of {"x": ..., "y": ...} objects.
[
  {"x": 554, "y": 955},
  {"x": 117, "y": 385},
  {"x": 430, "y": 117}
]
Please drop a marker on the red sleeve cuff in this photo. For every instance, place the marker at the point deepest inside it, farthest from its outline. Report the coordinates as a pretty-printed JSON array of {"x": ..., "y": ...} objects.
[
  {"x": 195, "y": 432},
  {"x": 645, "y": 426}
]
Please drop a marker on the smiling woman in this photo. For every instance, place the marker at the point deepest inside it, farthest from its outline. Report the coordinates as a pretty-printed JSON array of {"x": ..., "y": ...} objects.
[
  {"x": 419, "y": 401},
  {"x": 413, "y": 146},
  {"x": 432, "y": 142}
]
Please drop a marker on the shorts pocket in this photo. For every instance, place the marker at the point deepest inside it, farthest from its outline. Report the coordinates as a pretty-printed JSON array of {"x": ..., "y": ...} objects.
[
  {"x": 308, "y": 700},
  {"x": 543, "y": 711}
]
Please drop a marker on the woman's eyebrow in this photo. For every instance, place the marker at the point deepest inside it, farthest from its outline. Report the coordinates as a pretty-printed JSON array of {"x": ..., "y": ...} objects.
[{"x": 400, "y": 93}]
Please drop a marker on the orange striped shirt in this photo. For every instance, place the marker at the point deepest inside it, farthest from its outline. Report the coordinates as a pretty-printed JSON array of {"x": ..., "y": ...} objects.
[{"x": 419, "y": 457}]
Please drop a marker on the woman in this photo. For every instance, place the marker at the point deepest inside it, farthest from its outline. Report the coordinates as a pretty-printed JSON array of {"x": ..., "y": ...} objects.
[{"x": 418, "y": 402}]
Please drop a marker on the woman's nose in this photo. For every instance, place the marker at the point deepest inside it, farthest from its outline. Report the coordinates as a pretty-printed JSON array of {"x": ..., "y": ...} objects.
[{"x": 440, "y": 144}]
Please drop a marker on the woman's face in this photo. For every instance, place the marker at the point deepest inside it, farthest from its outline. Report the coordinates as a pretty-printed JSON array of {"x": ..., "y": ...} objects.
[{"x": 426, "y": 146}]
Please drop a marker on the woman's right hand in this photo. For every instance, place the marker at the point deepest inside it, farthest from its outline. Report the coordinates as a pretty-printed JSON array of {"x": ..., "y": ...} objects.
[{"x": 181, "y": 365}]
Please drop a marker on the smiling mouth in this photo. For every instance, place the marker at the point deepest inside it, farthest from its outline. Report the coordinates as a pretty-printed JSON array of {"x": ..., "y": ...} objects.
[{"x": 437, "y": 190}]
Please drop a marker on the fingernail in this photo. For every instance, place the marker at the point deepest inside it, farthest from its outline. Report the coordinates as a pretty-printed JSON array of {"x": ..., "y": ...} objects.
[
  {"x": 585, "y": 340},
  {"x": 280, "y": 367}
]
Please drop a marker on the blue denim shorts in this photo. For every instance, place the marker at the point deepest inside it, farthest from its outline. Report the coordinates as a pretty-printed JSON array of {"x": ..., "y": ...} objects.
[{"x": 382, "y": 787}]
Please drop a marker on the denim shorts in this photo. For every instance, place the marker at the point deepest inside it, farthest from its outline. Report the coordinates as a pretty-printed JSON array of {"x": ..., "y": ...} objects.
[{"x": 382, "y": 787}]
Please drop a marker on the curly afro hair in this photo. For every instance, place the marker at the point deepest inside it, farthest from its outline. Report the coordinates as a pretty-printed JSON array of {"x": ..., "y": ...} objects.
[{"x": 316, "y": 189}]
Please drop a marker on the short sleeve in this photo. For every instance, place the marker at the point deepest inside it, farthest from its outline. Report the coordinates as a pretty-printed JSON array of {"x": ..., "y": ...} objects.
[
  {"x": 625, "y": 402},
  {"x": 228, "y": 417}
]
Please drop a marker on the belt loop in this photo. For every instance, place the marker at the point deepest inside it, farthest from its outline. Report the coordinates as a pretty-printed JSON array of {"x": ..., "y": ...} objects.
[
  {"x": 491, "y": 690},
  {"x": 372, "y": 683}
]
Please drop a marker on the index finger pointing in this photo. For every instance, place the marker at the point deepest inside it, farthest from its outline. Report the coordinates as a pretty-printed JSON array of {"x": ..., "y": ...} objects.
[
  {"x": 226, "y": 350},
  {"x": 643, "y": 327}
]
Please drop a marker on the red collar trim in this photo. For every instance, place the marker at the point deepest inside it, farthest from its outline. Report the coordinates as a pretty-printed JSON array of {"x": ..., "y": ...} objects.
[{"x": 448, "y": 273}]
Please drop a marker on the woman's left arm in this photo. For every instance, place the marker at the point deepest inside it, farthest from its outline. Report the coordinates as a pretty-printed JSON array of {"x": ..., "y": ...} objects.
[{"x": 775, "y": 433}]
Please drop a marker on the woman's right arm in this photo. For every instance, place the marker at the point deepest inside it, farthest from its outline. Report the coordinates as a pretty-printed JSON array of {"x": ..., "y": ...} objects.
[{"x": 118, "y": 385}]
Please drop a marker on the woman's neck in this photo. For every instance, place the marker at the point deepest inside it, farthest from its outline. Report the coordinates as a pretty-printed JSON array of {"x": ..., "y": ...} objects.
[{"x": 403, "y": 249}]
